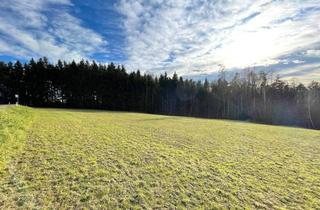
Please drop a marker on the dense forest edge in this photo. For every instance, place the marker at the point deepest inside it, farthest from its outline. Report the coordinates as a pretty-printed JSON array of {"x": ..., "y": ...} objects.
[{"x": 248, "y": 96}]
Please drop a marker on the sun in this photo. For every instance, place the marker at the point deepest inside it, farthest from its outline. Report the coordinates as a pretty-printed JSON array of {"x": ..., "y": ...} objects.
[{"x": 245, "y": 49}]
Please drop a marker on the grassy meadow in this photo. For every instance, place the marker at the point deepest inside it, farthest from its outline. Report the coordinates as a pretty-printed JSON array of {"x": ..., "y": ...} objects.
[
  {"x": 14, "y": 123},
  {"x": 86, "y": 159}
]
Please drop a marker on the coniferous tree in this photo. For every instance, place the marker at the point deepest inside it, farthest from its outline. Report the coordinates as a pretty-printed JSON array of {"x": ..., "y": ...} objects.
[{"x": 248, "y": 96}]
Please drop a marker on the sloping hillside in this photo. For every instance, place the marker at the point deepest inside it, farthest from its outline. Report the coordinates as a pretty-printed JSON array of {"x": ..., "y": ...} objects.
[{"x": 94, "y": 159}]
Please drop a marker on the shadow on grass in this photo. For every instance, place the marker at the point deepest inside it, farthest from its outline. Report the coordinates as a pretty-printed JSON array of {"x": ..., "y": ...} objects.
[{"x": 160, "y": 117}]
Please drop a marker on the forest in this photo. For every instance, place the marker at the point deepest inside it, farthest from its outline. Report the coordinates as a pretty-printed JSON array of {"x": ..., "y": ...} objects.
[{"x": 249, "y": 95}]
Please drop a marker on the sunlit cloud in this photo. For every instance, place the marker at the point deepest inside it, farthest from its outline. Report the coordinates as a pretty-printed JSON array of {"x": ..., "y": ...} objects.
[
  {"x": 313, "y": 53},
  {"x": 190, "y": 37},
  {"x": 201, "y": 36},
  {"x": 305, "y": 73}
]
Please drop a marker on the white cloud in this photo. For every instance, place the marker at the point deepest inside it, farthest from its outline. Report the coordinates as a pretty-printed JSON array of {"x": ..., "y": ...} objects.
[
  {"x": 36, "y": 28},
  {"x": 189, "y": 35},
  {"x": 298, "y": 61},
  {"x": 305, "y": 73},
  {"x": 312, "y": 53}
]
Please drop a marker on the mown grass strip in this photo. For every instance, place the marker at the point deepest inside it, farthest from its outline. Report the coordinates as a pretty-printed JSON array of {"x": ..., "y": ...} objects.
[{"x": 14, "y": 123}]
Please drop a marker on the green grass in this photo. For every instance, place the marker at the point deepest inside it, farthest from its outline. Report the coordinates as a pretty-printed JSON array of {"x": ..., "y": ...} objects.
[
  {"x": 74, "y": 159},
  {"x": 14, "y": 122}
]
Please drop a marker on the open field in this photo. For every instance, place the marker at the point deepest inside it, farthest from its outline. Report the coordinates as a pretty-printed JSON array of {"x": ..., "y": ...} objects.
[
  {"x": 93, "y": 159},
  {"x": 14, "y": 123}
]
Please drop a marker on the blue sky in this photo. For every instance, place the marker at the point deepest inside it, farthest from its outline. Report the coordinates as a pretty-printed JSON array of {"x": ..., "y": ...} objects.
[{"x": 195, "y": 38}]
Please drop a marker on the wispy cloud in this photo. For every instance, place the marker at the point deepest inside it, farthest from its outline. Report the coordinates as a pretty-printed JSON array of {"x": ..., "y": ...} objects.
[
  {"x": 312, "y": 53},
  {"x": 192, "y": 37},
  {"x": 305, "y": 73},
  {"x": 203, "y": 35},
  {"x": 45, "y": 28}
]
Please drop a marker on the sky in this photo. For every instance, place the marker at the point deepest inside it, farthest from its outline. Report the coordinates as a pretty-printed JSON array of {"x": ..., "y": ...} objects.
[{"x": 195, "y": 38}]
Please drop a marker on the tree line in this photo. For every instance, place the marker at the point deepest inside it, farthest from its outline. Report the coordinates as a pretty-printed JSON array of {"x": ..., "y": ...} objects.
[{"x": 248, "y": 96}]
